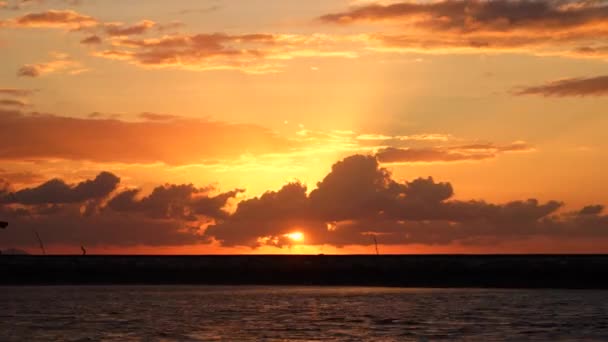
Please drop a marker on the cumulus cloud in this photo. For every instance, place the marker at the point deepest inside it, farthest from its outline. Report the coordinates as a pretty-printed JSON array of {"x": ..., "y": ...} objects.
[
  {"x": 56, "y": 191},
  {"x": 592, "y": 86},
  {"x": 540, "y": 27},
  {"x": 184, "y": 141},
  {"x": 93, "y": 213},
  {"x": 358, "y": 199},
  {"x": 171, "y": 201},
  {"x": 356, "y": 202}
]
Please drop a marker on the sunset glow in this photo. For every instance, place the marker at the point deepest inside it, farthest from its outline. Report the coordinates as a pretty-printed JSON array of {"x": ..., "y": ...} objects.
[
  {"x": 187, "y": 127},
  {"x": 295, "y": 236}
]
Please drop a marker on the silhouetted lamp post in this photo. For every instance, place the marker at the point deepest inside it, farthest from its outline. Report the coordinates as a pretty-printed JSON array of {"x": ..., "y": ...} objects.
[{"x": 3, "y": 225}]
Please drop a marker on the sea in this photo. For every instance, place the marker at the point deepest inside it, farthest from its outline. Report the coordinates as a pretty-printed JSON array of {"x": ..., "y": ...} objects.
[{"x": 296, "y": 313}]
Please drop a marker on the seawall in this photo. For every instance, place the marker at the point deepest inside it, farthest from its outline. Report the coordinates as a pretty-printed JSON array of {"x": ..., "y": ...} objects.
[{"x": 496, "y": 271}]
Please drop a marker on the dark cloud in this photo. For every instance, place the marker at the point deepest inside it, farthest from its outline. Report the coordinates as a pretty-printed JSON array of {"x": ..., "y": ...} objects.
[
  {"x": 592, "y": 86},
  {"x": 543, "y": 26},
  {"x": 477, "y": 15},
  {"x": 76, "y": 214},
  {"x": 184, "y": 202},
  {"x": 266, "y": 219},
  {"x": 56, "y": 191},
  {"x": 591, "y": 210},
  {"x": 68, "y": 226},
  {"x": 106, "y": 140},
  {"x": 355, "y": 203},
  {"x": 358, "y": 200}
]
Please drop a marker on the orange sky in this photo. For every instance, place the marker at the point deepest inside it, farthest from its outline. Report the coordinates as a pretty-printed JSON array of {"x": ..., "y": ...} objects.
[{"x": 197, "y": 114}]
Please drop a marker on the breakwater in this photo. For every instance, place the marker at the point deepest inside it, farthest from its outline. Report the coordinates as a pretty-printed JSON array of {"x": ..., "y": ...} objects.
[{"x": 491, "y": 271}]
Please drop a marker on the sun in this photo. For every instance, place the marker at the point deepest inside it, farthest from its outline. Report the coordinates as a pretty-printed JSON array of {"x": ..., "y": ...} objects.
[{"x": 295, "y": 236}]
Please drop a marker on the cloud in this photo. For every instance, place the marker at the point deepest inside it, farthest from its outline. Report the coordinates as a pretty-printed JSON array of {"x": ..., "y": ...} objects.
[
  {"x": 175, "y": 142},
  {"x": 591, "y": 210},
  {"x": 16, "y": 92},
  {"x": 538, "y": 27},
  {"x": 65, "y": 19},
  {"x": 91, "y": 40},
  {"x": 255, "y": 53},
  {"x": 474, "y": 15},
  {"x": 592, "y": 86},
  {"x": 356, "y": 201},
  {"x": 470, "y": 152},
  {"x": 12, "y": 103},
  {"x": 184, "y": 202},
  {"x": 119, "y": 29},
  {"x": 59, "y": 63},
  {"x": 75, "y": 214},
  {"x": 157, "y": 116},
  {"x": 56, "y": 191},
  {"x": 67, "y": 225}
]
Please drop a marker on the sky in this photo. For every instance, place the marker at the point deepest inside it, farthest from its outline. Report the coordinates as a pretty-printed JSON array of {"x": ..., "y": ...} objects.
[{"x": 304, "y": 127}]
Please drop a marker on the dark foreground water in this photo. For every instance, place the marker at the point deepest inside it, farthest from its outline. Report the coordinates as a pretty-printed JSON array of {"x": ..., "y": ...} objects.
[{"x": 208, "y": 313}]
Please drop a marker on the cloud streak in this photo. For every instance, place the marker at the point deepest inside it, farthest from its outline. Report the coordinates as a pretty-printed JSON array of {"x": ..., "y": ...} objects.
[
  {"x": 59, "y": 63},
  {"x": 473, "y": 152},
  {"x": 174, "y": 142},
  {"x": 64, "y": 19},
  {"x": 16, "y": 92},
  {"x": 592, "y": 86},
  {"x": 256, "y": 53}
]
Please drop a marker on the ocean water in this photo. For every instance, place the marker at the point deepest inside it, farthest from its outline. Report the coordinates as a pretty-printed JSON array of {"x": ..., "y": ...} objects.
[{"x": 266, "y": 313}]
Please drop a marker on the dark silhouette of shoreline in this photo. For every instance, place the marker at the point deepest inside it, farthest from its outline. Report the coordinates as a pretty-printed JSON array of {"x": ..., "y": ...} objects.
[{"x": 481, "y": 271}]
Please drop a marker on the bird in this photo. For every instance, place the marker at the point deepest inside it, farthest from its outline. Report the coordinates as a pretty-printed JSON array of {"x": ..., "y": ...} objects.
[{"x": 84, "y": 251}]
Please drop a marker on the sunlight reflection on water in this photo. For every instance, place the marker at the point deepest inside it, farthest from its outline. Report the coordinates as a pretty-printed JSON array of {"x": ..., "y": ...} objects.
[{"x": 248, "y": 313}]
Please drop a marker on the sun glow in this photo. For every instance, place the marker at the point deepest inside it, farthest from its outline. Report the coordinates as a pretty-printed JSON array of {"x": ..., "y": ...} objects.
[{"x": 295, "y": 236}]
